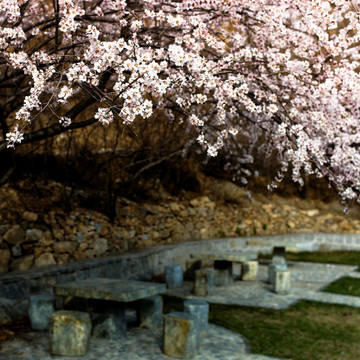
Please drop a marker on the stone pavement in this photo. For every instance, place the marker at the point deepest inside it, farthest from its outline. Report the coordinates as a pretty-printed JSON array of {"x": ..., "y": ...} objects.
[
  {"x": 219, "y": 344},
  {"x": 307, "y": 280},
  {"x": 140, "y": 344}
]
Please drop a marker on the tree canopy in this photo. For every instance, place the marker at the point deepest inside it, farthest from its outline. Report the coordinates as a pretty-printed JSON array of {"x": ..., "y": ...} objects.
[{"x": 286, "y": 71}]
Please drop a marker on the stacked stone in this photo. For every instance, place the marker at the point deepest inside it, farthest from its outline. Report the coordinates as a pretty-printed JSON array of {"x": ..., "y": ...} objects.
[{"x": 30, "y": 239}]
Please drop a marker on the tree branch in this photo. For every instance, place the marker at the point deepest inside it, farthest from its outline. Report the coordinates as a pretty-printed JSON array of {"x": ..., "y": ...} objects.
[{"x": 57, "y": 128}]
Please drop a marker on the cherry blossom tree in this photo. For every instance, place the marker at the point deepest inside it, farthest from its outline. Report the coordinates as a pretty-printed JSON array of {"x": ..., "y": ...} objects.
[{"x": 233, "y": 71}]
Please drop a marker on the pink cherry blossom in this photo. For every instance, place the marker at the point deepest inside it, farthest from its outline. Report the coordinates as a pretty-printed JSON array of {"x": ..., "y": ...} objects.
[{"x": 239, "y": 76}]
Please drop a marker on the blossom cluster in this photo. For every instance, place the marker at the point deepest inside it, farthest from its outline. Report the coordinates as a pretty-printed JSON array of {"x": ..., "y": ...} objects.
[{"x": 104, "y": 116}]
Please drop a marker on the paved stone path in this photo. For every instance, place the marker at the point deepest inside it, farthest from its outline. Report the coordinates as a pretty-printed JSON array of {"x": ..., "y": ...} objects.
[
  {"x": 219, "y": 344},
  {"x": 140, "y": 344},
  {"x": 307, "y": 280}
]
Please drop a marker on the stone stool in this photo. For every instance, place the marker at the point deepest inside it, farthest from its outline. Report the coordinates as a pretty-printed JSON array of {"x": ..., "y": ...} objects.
[
  {"x": 278, "y": 262},
  {"x": 200, "y": 309},
  {"x": 282, "y": 282},
  {"x": 204, "y": 282},
  {"x": 174, "y": 276},
  {"x": 150, "y": 312},
  {"x": 272, "y": 269},
  {"x": 41, "y": 307},
  {"x": 223, "y": 273},
  {"x": 70, "y": 333},
  {"x": 181, "y": 335},
  {"x": 249, "y": 270}
]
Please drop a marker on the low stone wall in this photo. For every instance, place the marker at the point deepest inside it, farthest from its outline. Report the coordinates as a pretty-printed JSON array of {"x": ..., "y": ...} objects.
[
  {"x": 305, "y": 242},
  {"x": 15, "y": 287}
]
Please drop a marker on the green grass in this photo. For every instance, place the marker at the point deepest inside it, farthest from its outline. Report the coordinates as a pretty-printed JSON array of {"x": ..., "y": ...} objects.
[
  {"x": 345, "y": 286},
  {"x": 305, "y": 331},
  {"x": 326, "y": 257}
]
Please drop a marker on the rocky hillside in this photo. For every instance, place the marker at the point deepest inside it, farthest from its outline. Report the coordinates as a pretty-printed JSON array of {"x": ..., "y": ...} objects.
[{"x": 35, "y": 230}]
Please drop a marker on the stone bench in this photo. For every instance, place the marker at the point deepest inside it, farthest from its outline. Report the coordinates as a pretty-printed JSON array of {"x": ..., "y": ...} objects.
[
  {"x": 181, "y": 335},
  {"x": 70, "y": 333}
]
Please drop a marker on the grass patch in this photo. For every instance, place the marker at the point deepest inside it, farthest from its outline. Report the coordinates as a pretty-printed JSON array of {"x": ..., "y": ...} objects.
[
  {"x": 323, "y": 257},
  {"x": 306, "y": 331},
  {"x": 345, "y": 286}
]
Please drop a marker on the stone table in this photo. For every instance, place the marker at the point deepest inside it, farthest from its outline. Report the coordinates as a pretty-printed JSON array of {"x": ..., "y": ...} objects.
[
  {"x": 111, "y": 297},
  {"x": 223, "y": 264}
]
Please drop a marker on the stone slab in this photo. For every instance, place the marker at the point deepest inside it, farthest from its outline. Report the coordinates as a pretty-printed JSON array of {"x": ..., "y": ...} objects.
[{"x": 110, "y": 289}]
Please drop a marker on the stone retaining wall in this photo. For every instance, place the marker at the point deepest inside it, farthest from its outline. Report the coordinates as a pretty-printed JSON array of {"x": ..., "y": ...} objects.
[{"x": 15, "y": 287}]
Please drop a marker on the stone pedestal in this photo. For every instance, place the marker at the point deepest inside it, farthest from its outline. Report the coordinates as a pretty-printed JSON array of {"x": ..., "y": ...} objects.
[
  {"x": 279, "y": 255},
  {"x": 41, "y": 307},
  {"x": 282, "y": 282},
  {"x": 204, "y": 282},
  {"x": 223, "y": 273},
  {"x": 110, "y": 322},
  {"x": 150, "y": 312},
  {"x": 174, "y": 276},
  {"x": 236, "y": 270},
  {"x": 70, "y": 333},
  {"x": 191, "y": 266},
  {"x": 200, "y": 309},
  {"x": 181, "y": 335},
  {"x": 249, "y": 270}
]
